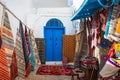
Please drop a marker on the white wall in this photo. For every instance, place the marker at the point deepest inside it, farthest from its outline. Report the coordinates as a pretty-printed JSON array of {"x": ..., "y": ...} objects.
[
  {"x": 38, "y": 19},
  {"x": 49, "y": 3}
]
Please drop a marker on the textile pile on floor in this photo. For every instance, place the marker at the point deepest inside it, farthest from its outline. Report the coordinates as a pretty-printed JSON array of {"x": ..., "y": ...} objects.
[{"x": 54, "y": 70}]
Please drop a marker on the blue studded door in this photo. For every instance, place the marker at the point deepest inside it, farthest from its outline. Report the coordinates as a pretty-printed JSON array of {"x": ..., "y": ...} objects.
[{"x": 53, "y": 32}]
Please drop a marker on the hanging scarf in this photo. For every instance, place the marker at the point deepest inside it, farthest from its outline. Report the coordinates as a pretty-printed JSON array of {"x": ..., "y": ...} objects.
[
  {"x": 8, "y": 38},
  {"x": 20, "y": 57},
  {"x": 32, "y": 38},
  {"x": 32, "y": 56},
  {"x": 13, "y": 67},
  {"x": 27, "y": 40},
  {"x": 25, "y": 50},
  {"x": 108, "y": 23},
  {"x": 78, "y": 54},
  {"x": 90, "y": 36},
  {"x": 104, "y": 17},
  {"x": 4, "y": 73}
]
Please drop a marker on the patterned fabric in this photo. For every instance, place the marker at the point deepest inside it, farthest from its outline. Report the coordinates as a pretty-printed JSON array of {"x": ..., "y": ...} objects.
[
  {"x": 20, "y": 57},
  {"x": 108, "y": 23},
  {"x": 89, "y": 62},
  {"x": 40, "y": 42},
  {"x": 8, "y": 38},
  {"x": 105, "y": 16},
  {"x": 4, "y": 73},
  {"x": 81, "y": 46},
  {"x": 54, "y": 70},
  {"x": 35, "y": 49},
  {"x": 32, "y": 56},
  {"x": 118, "y": 28},
  {"x": 13, "y": 67},
  {"x": 111, "y": 52},
  {"x": 110, "y": 68},
  {"x": 0, "y": 42},
  {"x": 27, "y": 40},
  {"x": 112, "y": 24},
  {"x": 114, "y": 19},
  {"x": 25, "y": 50}
]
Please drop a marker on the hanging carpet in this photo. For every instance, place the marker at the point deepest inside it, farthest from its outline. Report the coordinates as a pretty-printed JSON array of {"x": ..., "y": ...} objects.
[
  {"x": 25, "y": 50},
  {"x": 13, "y": 66},
  {"x": 8, "y": 38},
  {"x": 32, "y": 38},
  {"x": 4, "y": 73},
  {"x": 20, "y": 58}
]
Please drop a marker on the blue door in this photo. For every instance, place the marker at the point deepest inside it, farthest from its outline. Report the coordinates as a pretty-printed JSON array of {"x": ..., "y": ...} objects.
[{"x": 53, "y": 32}]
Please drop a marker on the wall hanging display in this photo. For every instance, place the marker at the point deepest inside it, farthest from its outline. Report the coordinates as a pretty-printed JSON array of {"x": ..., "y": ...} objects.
[{"x": 8, "y": 37}]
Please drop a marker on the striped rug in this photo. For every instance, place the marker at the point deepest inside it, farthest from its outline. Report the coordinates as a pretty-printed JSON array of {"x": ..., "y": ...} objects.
[
  {"x": 20, "y": 58},
  {"x": 13, "y": 67},
  {"x": 8, "y": 38},
  {"x": 4, "y": 73}
]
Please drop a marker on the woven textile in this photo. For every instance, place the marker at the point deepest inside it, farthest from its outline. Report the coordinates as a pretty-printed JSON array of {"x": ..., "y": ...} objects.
[
  {"x": 54, "y": 70},
  {"x": 27, "y": 40},
  {"x": 41, "y": 49},
  {"x": 110, "y": 68},
  {"x": 35, "y": 48},
  {"x": 69, "y": 47},
  {"x": 32, "y": 56},
  {"x": 4, "y": 73},
  {"x": 25, "y": 50},
  {"x": 8, "y": 38},
  {"x": 20, "y": 57},
  {"x": 13, "y": 67},
  {"x": 114, "y": 19},
  {"x": 81, "y": 45},
  {"x": 118, "y": 28},
  {"x": 79, "y": 40}
]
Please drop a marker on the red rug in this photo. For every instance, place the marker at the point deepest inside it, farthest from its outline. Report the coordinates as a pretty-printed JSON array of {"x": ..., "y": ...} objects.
[{"x": 54, "y": 70}]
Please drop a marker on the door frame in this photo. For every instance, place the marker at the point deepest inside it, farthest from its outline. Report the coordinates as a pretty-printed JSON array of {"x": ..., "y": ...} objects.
[{"x": 53, "y": 28}]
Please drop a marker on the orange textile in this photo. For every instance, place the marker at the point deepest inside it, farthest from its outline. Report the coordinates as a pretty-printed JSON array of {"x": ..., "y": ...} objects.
[
  {"x": 4, "y": 73},
  {"x": 7, "y": 37},
  {"x": 118, "y": 27},
  {"x": 13, "y": 67}
]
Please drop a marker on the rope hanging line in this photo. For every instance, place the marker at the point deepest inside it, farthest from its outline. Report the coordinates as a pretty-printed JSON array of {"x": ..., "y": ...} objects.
[{"x": 13, "y": 14}]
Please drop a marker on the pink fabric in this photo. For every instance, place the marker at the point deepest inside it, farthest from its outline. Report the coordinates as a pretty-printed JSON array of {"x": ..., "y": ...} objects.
[{"x": 111, "y": 52}]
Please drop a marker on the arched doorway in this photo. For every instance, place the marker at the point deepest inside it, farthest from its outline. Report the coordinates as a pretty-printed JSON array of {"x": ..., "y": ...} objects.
[{"x": 53, "y": 32}]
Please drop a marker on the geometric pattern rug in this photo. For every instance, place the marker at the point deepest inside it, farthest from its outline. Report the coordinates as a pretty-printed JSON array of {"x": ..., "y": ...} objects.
[{"x": 54, "y": 70}]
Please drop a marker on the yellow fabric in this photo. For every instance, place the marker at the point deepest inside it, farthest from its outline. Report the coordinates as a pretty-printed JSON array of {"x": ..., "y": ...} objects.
[
  {"x": 117, "y": 47},
  {"x": 118, "y": 27}
]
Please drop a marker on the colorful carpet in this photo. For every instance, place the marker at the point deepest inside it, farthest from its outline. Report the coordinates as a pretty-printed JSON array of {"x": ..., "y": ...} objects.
[
  {"x": 20, "y": 57},
  {"x": 7, "y": 37},
  {"x": 54, "y": 70}
]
